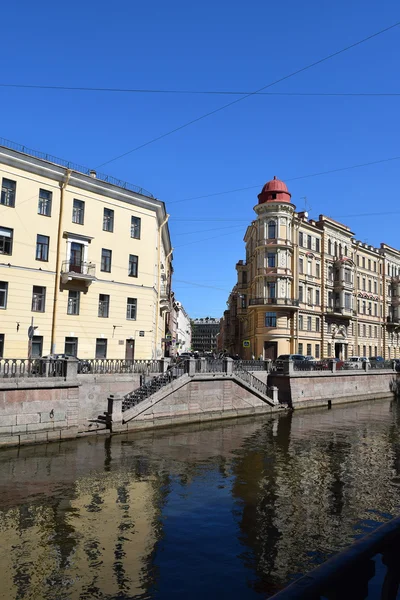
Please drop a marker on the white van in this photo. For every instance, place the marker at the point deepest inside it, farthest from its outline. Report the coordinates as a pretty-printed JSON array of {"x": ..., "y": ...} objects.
[{"x": 355, "y": 362}]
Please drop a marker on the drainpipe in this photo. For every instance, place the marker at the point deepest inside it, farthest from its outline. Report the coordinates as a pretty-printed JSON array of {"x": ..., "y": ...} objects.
[
  {"x": 63, "y": 185},
  {"x": 159, "y": 281}
]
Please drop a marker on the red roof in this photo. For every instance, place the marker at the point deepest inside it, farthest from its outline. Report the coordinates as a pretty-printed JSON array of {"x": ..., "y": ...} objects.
[{"x": 274, "y": 191}]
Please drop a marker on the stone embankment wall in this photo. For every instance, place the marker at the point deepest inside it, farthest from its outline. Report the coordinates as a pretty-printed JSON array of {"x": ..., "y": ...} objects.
[
  {"x": 186, "y": 400},
  {"x": 305, "y": 389}
]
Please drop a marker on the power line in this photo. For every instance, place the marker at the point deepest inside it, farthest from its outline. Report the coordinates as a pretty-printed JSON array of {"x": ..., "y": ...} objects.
[
  {"x": 284, "y": 78},
  {"x": 191, "y": 92},
  {"x": 259, "y": 186}
]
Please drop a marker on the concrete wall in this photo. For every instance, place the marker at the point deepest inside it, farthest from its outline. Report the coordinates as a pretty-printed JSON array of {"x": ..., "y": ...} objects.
[
  {"x": 38, "y": 411},
  {"x": 316, "y": 389}
]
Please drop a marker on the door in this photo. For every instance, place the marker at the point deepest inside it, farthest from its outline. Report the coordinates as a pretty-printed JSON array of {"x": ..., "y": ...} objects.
[
  {"x": 338, "y": 350},
  {"x": 270, "y": 350},
  {"x": 76, "y": 258},
  {"x": 130, "y": 349}
]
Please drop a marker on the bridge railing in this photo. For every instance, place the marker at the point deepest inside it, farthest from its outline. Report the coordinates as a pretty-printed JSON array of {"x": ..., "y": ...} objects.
[{"x": 33, "y": 367}]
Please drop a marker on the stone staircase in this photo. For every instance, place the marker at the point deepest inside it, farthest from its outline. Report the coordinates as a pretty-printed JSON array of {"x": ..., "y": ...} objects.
[{"x": 150, "y": 387}]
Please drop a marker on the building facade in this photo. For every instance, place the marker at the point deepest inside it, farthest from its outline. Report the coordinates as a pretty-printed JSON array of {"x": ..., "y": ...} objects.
[
  {"x": 85, "y": 264},
  {"x": 310, "y": 287},
  {"x": 204, "y": 334},
  {"x": 183, "y": 330}
]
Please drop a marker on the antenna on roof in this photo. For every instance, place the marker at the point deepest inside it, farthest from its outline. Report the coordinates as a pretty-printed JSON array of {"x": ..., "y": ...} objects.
[{"x": 307, "y": 207}]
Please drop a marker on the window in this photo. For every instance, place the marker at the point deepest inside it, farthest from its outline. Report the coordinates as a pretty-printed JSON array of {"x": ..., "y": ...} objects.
[
  {"x": 317, "y": 324},
  {"x": 370, "y": 331},
  {"x": 73, "y": 302},
  {"x": 369, "y": 285},
  {"x": 37, "y": 346},
  {"x": 134, "y": 262},
  {"x": 101, "y": 348},
  {"x": 364, "y": 307},
  {"x": 1, "y": 345},
  {"x": 309, "y": 267},
  {"x": 271, "y": 290},
  {"x": 329, "y": 349},
  {"x": 369, "y": 264},
  {"x": 38, "y": 298},
  {"x": 358, "y": 282},
  {"x": 364, "y": 331},
  {"x": 300, "y": 348},
  {"x": 316, "y": 350},
  {"x": 71, "y": 346},
  {"x": 309, "y": 242},
  {"x": 300, "y": 293},
  {"x": 309, "y": 325},
  {"x": 8, "y": 188},
  {"x": 347, "y": 276},
  {"x": 271, "y": 259},
  {"x": 300, "y": 322},
  {"x": 105, "y": 260},
  {"x": 370, "y": 308},
  {"x": 42, "y": 247},
  {"x": 135, "y": 227},
  {"x": 376, "y": 331},
  {"x": 330, "y": 247},
  {"x": 317, "y": 297},
  {"x": 363, "y": 262},
  {"x": 359, "y": 329},
  {"x": 271, "y": 230},
  {"x": 358, "y": 261},
  {"x": 308, "y": 349},
  {"x": 376, "y": 309},
  {"x": 301, "y": 266},
  {"x": 318, "y": 270},
  {"x": 363, "y": 284},
  {"x": 108, "y": 219},
  {"x": 244, "y": 274},
  {"x": 131, "y": 309},
  {"x": 270, "y": 319},
  {"x": 347, "y": 301},
  {"x": 44, "y": 206},
  {"x": 78, "y": 212},
  {"x": 309, "y": 296},
  {"x": 3, "y": 294},
  {"x": 104, "y": 305},
  {"x": 375, "y": 287},
  {"x": 300, "y": 238},
  {"x": 317, "y": 244},
  {"x": 375, "y": 266},
  {"x": 6, "y": 239}
]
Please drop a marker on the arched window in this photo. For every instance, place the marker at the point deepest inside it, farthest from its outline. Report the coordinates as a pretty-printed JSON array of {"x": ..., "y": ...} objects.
[
  {"x": 336, "y": 253},
  {"x": 271, "y": 230},
  {"x": 330, "y": 247},
  {"x": 340, "y": 251},
  {"x": 345, "y": 250}
]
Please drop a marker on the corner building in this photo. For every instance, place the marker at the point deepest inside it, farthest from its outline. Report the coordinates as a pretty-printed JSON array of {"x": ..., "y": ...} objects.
[
  {"x": 84, "y": 258},
  {"x": 310, "y": 287}
]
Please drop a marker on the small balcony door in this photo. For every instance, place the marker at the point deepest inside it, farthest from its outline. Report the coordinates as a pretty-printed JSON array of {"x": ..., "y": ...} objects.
[{"x": 76, "y": 257}]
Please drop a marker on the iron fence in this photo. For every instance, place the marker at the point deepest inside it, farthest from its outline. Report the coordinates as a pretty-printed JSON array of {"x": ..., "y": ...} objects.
[
  {"x": 249, "y": 365},
  {"x": 382, "y": 364},
  {"x": 310, "y": 365},
  {"x": 254, "y": 382},
  {"x": 35, "y": 367},
  {"x": 100, "y": 366}
]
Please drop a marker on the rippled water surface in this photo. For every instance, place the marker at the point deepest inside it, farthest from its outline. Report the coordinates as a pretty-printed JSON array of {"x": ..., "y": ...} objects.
[{"x": 233, "y": 509}]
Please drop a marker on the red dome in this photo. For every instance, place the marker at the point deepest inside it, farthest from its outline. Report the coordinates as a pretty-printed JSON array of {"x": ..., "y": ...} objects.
[{"x": 274, "y": 191}]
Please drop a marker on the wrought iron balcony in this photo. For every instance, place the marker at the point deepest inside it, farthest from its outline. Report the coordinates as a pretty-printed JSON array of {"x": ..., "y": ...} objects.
[
  {"x": 392, "y": 320},
  {"x": 290, "y": 302},
  {"x": 340, "y": 310},
  {"x": 82, "y": 271}
]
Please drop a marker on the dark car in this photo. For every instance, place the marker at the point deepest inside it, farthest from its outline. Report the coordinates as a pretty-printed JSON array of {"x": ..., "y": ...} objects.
[
  {"x": 83, "y": 365},
  {"x": 283, "y": 358},
  {"x": 376, "y": 359}
]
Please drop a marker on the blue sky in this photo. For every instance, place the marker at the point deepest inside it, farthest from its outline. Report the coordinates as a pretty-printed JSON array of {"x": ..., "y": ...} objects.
[{"x": 223, "y": 45}]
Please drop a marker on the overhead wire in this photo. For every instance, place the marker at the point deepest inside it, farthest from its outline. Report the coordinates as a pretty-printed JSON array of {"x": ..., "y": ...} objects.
[{"x": 264, "y": 87}]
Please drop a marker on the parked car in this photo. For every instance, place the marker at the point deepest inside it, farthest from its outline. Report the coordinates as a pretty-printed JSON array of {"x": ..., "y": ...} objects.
[
  {"x": 283, "y": 358},
  {"x": 376, "y": 359},
  {"x": 355, "y": 362},
  {"x": 310, "y": 358}
]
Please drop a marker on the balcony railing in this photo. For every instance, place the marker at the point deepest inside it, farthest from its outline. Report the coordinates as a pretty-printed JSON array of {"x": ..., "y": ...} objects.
[
  {"x": 393, "y": 320},
  {"x": 340, "y": 310},
  {"x": 273, "y": 301},
  {"x": 79, "y": 268}
]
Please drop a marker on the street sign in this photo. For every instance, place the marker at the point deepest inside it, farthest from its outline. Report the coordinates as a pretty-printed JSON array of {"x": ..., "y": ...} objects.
[
  {"x": 141, "y": 333},
  {"x": 246, "y": 343},
  {"x": 168, "y": 336}
]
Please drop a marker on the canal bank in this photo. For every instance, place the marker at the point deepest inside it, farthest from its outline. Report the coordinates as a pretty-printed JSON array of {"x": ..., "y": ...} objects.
[{"x": 67, "y": 404}]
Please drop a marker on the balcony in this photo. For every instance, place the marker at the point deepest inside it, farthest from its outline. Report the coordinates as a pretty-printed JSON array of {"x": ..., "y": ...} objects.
[
  {"x": 340, "y": 310},
  {"x": 72, "y": 270},
  {"x": 273, "y": 242},
  {"x": 393, "y": 320},
  {"x": 277, "y": 271},
  {"x": 274, "y": 302},
  {"x": 341, "y": 283}
]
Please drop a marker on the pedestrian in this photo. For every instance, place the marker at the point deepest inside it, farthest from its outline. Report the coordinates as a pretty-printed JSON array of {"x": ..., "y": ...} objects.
[{"x": 261, "y": 357}]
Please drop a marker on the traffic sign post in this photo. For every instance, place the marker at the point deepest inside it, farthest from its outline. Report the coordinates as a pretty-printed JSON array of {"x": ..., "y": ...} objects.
[{"x": 246, "y": 343}]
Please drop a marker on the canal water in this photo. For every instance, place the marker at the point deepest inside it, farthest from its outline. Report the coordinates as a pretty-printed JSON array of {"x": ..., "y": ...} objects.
[{"x": 233, "y": 509}]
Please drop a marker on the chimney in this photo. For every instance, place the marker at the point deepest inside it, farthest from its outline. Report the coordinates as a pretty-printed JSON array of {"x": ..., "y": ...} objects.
[{"x": 93, "y": 173}]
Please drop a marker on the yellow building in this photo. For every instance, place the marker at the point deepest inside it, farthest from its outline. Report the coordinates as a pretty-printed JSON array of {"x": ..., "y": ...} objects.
[
  {"x": 310, "y": 287},
  {"x": 84, "y": 259}
]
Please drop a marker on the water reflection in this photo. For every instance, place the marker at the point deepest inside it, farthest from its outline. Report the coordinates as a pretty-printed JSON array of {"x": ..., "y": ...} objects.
[{"x": 232, "y": 509}]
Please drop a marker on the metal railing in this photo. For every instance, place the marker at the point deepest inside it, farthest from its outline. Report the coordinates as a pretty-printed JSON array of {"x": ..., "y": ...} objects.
[
  {"x": 274, "y": 301},
  {"x": 310, "y": 365},
  {"x": 103, "y": 366},
  {"x": 249, "y": 365},
  {"x": 81, "y": 268},
  {"x": 74, "y": 167},
  {"x": 254, "y": 382},
  {"x": 148, "y": 388},
  {"x": 35, "y": 367},
  {"x": 383, "y": 364}
]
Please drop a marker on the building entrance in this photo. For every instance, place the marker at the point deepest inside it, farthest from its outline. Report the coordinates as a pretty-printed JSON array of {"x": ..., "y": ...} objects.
[
  {"x": 340, "y": 350},
  {"x": 270, "y": 350},
  {"x": 130, "y": 349}
]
